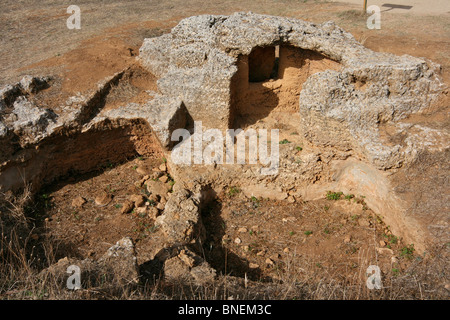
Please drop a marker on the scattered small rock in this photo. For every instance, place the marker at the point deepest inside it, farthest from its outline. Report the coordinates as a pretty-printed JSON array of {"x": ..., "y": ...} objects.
[
  {"x": 141, "y": 210},
  {"x": 138, "y": 200},
  {"x": 157, "y": 187},
  {"x": 155, "y": 175},
  {"x": 253, "y": 265},
  {"x": 153, "y": 198},
  {"x": 243, "y": 230},
  {"x": 385, "y": 251},
  {"x": 103, "y": 199},
  {"x": 153, "y": 213},
  {"x": 78, "y": 202},
  {"x": 261, "y": 253},
  {"x": 127, "y": 206},
  {"x": 382, "y": 243},
  {"x": 163, "y": 179},
  {"x": 237, "y": 241},
  {"x": 163, "y": 167},
  {"x": 226, "y": 238},
  {"x": 187, "y": 259},
  {"x": 270, "y": 262},
  {"x": 347, "y": 239},
  {"x": 275, "y": 257},
  {"x": 291, "y": 199},
  {"x": 363, "y": 222},
  {"x": 142, "y": 171},
  {"x": 160, "y": 206}
]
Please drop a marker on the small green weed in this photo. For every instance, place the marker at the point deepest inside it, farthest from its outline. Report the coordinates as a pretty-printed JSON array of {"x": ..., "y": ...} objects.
[{"x": 334, "y": 195}]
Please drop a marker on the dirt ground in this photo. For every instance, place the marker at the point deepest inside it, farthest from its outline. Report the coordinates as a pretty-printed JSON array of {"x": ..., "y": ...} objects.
[
  {"x": 35, "y": 38},
  {"x": 333, "y": 239},
  {"x": 266, "y": 240}
]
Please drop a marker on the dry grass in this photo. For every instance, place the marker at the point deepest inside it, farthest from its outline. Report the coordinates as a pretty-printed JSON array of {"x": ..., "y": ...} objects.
[{"x": 425, "y": 277}]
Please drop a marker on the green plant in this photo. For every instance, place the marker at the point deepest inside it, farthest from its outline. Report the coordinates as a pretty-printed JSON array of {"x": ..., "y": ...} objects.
[
  {"x": 153, "y": 229},
  {"x": 299, "y": 148},
  {"x": 307, "y": 233},
  {"x": 118, "y": 205},
  {"x": 334, "y": 195},
  {"x": 391, "y": 238},
  {"x": 46, "y": 200},
  {"x": 233, "y": 191},
  {"x": 284, "y": 141},
  {"x": 110, "y": 189},
  {"x": 255, "y": 202},
  {"x": 407, "y": 251},
  {"x": 291, "y": 233},
  {"x": 76, "y": 216},
  {"x": 379, "y": 220},
  {"x": 349, "y": 196}
]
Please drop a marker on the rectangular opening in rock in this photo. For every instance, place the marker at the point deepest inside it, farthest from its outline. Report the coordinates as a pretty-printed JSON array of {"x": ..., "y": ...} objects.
[
  {"x": 261, "y": 63},
  {"x": 270, "y": 79}
]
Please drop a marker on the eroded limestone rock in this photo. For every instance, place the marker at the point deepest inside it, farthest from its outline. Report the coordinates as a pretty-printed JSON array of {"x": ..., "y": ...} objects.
[
  {"x": 341, "y": 108},
  {"x": 181, "y": 219}
]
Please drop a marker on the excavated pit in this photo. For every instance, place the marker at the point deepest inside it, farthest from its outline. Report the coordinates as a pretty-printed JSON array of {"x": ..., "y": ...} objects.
[
  {"x": 328, "y": 211},
  {"x": 80, "y": 153}
]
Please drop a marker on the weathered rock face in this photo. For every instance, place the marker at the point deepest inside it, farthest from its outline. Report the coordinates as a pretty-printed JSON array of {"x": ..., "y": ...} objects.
[
  {"x": 187, "y": 267},
  {"x": 39, "y": 144},
  {"x": 208, "y": 68},
  {"x": 341, "y": 108},
  {"x": 345, "y": 109},
  {"x": 181, "y": 220}
]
